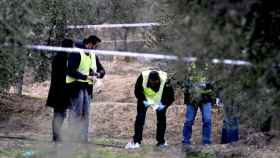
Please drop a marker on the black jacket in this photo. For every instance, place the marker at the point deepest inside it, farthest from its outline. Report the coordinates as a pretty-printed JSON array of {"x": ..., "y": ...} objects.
[
  {"x": 57, "y": 97},
  {"x": 203, "y": 98},
  {"x": 73, "y": 64},
  {"x": 167, "y": 94}
]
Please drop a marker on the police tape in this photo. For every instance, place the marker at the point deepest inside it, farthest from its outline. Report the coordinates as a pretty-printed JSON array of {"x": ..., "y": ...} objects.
[
  {"x": 152, "y": 24},
  {"x": 135, "y": 55}
]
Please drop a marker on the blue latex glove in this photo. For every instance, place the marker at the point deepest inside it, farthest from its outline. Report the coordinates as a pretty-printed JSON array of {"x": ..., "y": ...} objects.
[
  {"x": 28, "y": 153},
  {"x": 160, "y": 107},
  {"x": 219, "y": 103},
  {"x": 146, "y": 103}
]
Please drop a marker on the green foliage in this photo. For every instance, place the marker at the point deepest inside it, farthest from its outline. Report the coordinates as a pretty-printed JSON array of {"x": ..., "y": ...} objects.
[
  {"x": 121, "y": 11},
  {"x": 201, "y": 155},
  {"x": 16, "y": 153},
  {"x": 106, "y": 153},
  {"x": 241, "y": 29},
  {"x": 206, "y": 29},
  {"x": 44, "y": 22},
  {"x": 16, "y": 21}
]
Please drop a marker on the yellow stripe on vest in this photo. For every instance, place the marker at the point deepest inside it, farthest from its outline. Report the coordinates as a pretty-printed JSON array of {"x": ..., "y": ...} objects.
[
  {"x": 84, "y": 67},
  {"x": 151, "y": 96},
  {"x": 93, "y": 65}
]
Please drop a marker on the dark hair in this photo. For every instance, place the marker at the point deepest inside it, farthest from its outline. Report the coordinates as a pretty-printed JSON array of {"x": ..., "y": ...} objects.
[
  {"x": 154, "y": 76},
  {"x": 92, "y": 39},
  {"x": 67, "y": 43}
]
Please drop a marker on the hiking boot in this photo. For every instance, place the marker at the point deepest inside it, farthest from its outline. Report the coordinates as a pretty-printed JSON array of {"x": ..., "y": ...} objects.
[{"x": 132, "y": 145}]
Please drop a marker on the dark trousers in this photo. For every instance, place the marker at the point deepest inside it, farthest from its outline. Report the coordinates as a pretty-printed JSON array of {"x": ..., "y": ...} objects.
[
  {"x": 58, "y": 118},
  {"x": 230, "y": 131},
  {"x": 140, "y": 121},
  {"x": 79, "y": 114}
]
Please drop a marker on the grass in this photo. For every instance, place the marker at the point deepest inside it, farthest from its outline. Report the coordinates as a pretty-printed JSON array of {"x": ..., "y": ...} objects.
[
  {"x": 201, "y": 154},
  {"x": 146, "y": 151},
  {"x": 11, "y": 153},
  {"x": 107, "y": 153},
  {"x": 92, "y": 151},
  {"x": 103, "y": 141}
]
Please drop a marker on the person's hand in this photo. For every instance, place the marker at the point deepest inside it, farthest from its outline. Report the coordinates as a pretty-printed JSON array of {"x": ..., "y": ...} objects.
[
  {"x": 146, "y": 103},
  {"x": 97, "y": 74},
  {"x": 160, "y": 107},
  {"x": 219, "y": 103},
  {"x": 90, "y": 78}
]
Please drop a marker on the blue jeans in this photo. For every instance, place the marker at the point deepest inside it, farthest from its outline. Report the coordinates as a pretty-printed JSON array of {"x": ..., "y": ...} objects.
[
  {"x": 230, "y": 131},
  {"x": 189, "y": 121},
  {"x": 79, "y": 116}
]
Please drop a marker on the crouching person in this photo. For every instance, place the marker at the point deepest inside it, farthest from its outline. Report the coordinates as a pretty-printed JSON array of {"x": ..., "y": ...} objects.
[{"x": 152, "y": 89}]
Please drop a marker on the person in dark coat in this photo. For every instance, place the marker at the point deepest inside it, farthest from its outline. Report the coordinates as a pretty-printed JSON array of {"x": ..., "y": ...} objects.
[
  {"x": 153, "y": 89},
  {"x": 57, "y": 97}
]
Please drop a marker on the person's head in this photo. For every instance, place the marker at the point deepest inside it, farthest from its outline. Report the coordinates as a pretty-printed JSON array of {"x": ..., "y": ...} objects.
[
  {"x": 67, "y": 43},
  {"x": 91, "y": 42},
  {"x": 154, "y": 79}
]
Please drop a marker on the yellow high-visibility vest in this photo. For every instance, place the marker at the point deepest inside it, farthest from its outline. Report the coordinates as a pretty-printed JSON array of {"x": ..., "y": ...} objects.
[
  {"x": 151, "y": 96},
  {"x": 84, "y": 67},
  {"x": 198, "y": 81},
  {"x": 93, "y": 65}
]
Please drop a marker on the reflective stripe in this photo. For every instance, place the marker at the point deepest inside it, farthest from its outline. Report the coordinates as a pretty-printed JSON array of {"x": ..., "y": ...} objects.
[
  {"x": 93, "y": 65},
  {"x": 198, "y": 82},
  {"x": 152, "y": 96}
]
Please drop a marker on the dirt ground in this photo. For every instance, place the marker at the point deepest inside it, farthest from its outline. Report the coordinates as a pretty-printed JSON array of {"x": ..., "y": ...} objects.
[{"x": 113, "y": 114}]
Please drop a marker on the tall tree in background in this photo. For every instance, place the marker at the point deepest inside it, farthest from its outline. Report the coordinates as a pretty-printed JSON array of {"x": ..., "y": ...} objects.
[
  {"x": 16, "y": 21},
  {"x": 55, "y": 16},
  {"x": 239, "y": 29},
  {"x": 263, "y": 23},
  {"x": 206, "y": 29}
]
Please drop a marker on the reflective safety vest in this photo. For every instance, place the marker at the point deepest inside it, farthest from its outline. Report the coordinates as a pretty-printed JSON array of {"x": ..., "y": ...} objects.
[
  {"x": 86, "y": 63},
  {"x": 198, "y": 81},
  {"x": 93, "y": 65},
  {"x": 198, "y": 84},
  {"x": 152, "y": 96}
]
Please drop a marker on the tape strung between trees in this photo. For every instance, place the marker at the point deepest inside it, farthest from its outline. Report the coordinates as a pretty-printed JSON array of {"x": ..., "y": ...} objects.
[
  {"x": 136, "y": 55},
  {"x": 133, "y": 54},
  {"x": 152, "y": 24}
]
